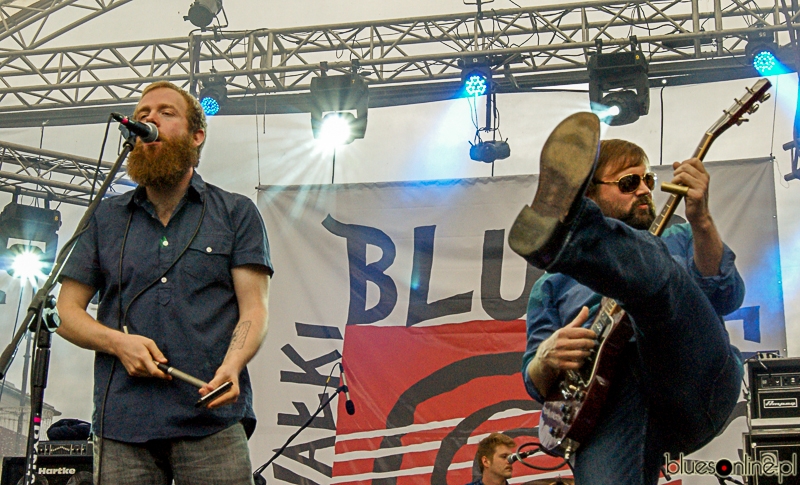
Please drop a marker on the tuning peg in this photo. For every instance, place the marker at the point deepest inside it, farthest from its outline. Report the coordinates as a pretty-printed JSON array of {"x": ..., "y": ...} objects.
[
  {"x": 740, "y": 121},
  {"x": 765, "y": 97},
  {"x": 753, "y": 108}
]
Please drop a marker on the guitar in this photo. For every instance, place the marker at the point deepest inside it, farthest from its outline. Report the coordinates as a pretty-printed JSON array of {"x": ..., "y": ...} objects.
[{"x": 571, "y": 413}]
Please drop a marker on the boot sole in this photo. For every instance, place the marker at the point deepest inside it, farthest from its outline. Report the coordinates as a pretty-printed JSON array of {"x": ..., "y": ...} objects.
[{"x": 566, "y": 168}]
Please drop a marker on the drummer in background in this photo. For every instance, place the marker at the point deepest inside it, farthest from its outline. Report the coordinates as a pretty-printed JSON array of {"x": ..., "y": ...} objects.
[{"x": 492, "y": 459}]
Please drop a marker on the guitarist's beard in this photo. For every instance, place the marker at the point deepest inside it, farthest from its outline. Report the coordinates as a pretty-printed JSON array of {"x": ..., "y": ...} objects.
[{"x": 638, "y": 217}]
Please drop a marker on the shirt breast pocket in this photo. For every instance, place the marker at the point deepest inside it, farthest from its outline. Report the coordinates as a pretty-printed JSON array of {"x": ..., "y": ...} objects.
[{"x": 208, "y": 260}]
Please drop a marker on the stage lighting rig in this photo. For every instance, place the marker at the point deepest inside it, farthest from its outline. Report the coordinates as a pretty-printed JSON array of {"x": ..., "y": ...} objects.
[
  {"x": 762, "y": 53},
  {"x": 476, "y": 75},
  {"x": 622, "y": 108},
  {"x": 337, "y": 129},
  {"x": 22, "y": 230},
  {"x": 333, "y": 98},
  {"x": 476, "y": 79},
  {"x": 27, "y": 262},
  {"x": 489, "y": 151},
  {"x": 213, "y": 94},
  {"x": 618, "y": 85},
  {"x": 203, "y": 12}
]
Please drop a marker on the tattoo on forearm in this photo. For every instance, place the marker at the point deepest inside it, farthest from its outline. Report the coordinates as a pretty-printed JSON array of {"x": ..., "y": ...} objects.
[{"x": 239, "y": 335}]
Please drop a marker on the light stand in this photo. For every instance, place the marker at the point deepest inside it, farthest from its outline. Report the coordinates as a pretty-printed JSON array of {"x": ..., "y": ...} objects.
[
  {"x": 257, "y": 477},
  {"x": 42, "y": 310}
]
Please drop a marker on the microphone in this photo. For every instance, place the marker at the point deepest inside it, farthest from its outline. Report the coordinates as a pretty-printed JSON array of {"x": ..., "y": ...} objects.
[
  {"x": 348, "y": 404},
  {"x": 146, "y": 131},
  {"x": 520, "y": 456}
]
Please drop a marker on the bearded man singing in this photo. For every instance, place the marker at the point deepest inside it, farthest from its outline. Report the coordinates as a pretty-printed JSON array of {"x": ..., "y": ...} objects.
[{"x": 182, "y": 269}]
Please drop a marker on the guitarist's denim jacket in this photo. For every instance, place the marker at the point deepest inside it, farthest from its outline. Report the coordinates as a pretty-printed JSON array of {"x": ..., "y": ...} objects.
[{"x": 556, "y": 299}]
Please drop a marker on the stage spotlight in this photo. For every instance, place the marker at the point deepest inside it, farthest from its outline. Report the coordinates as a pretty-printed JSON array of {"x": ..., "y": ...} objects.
[
  {"x": 202, "y": 12},
  {"x": 337, "y": 129},
  {"x": 489, "y": 151},
  {"x": 27, "y": 263},
  {"x": 618, "y": 108},
  {"x": 764, "y": 61},
  {"x": 618, "y": 86},
  {"x": 475, "y": 85},
  {"x": 476, "y": 75},
  {"x": 29, "y": 225},
  {"x": 213, "y": 94},
  {"x": 332, "y": 99},
  {"x": 210, "y": 105},
  {"x": 761, "y": 52}
]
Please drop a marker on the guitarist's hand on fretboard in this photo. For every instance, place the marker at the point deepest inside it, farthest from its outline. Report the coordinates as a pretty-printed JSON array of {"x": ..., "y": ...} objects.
[
  {"x": 708, "y": 247},
  {"x": 692, "y": 174}
]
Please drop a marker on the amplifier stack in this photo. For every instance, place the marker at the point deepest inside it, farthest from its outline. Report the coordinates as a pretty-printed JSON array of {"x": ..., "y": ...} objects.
[
  {"x": 58, "y": 463},
  {"x": 773, "y": 415}
]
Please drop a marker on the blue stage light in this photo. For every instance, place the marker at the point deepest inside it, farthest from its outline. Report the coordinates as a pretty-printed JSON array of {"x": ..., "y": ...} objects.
[
  {"x": 475, "y": 84},
  {"x": 210, "y": 106},
  {"x": 764, "y": 62},
  {"x": 476, "y": 75},
  {"x": 762, "y": 53},
  {"x": 213, "y": 94}
]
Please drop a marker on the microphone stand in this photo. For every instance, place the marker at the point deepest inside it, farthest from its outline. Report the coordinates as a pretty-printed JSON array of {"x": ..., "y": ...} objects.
[
  {"x": 43, "y": 320},
  {"x": 257, "y": 477}
]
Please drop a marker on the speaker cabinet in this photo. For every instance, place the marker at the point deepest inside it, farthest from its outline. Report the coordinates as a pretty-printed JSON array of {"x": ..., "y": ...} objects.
[
  {"x": 775, "y": 393},
  {"x": 777, "y": 449},
  {"x": 53, "y": 470}
]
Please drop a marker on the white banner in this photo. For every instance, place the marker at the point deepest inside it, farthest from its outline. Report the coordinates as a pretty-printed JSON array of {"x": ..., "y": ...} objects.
[{"x": 414, "y": 288}]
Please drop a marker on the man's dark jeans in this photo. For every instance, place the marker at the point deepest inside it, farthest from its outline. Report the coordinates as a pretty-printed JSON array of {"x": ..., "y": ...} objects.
[{"x": 688, "y": 373}]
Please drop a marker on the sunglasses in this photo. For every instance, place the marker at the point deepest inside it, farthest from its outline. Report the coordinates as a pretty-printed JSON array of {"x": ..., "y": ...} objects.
[{"x": 629, "y": 183}]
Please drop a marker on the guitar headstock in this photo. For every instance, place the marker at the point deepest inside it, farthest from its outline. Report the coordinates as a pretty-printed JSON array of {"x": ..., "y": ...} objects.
[
  {"x": 733, "y": 116},
  {"x": 741, "y": 107}
]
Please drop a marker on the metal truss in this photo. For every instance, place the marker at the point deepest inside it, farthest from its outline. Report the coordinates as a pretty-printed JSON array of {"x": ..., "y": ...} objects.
[
  {"x": 404, "y": 61},
  {"x": 50, "y": 175},
  {"x": 530, "y": 42},
  {"x": 26, "y": 24}
]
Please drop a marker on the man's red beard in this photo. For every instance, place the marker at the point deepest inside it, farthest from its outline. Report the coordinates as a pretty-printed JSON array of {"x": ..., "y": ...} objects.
[{"x": 162, "y": 166}]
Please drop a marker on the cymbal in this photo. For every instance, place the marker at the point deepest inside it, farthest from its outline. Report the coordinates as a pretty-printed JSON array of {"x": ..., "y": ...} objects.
[{"x": 551, "y": 481}]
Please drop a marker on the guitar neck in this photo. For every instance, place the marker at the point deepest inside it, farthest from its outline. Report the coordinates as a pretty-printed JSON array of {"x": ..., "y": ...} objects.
[{"x": 660, "y": 223}]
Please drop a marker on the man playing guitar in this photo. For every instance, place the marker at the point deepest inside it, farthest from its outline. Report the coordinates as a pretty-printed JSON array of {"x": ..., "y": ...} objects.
[{"x": 677, "y": 380}]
